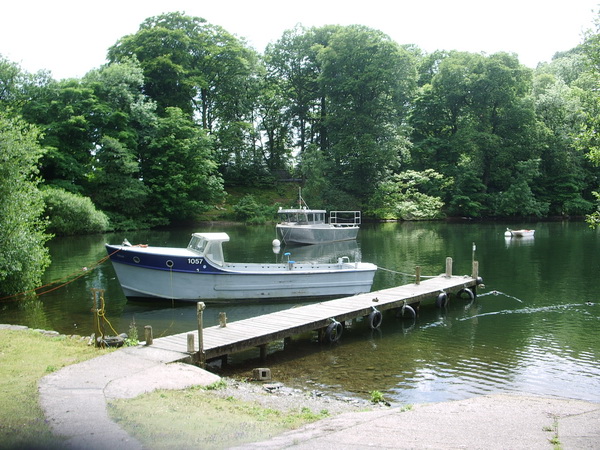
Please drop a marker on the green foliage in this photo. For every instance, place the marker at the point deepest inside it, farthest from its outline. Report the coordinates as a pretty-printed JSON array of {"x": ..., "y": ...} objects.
[
  {"x": 117, "y": 187},
  {"x": 248, "y": 210},
  {"x": 518, "y": 200},
  {"x": 184, "y": 108},
  {"x": 180, "y": 170},
  {"x": 405, "y": 196},
  {"x": 23, "y": 256},
  {"x": 132, "y": 336},
  {"x": 71, "y": 214},
  {"x": 593, "y": 219}
]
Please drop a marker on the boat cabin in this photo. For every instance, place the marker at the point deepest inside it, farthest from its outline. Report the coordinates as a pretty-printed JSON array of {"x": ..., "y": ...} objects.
[
  {"x": 302, "y": 216},
  {"x": 209, "y": 245}
]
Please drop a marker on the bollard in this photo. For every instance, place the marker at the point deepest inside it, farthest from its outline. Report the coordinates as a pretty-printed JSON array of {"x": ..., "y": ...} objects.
[
  {"x": 190, "y": 342},
  {"x": 448, "y": 267},
  {"x": 475, "y": 269},
  {"x": 148, "y": 334},
  {"x": 222, "y": 319},
  {"x": 200, "y": 306},
  {"x": 418, "y": 275}
]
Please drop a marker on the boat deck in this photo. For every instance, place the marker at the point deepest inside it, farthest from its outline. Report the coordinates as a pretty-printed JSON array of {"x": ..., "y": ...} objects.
[{"x": 258, "y": 331}]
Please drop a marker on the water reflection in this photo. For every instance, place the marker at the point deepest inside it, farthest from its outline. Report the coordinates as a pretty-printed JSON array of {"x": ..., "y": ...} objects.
[
  {"x": 514, "y": 241},
  {"x": 323, "y": 253}
]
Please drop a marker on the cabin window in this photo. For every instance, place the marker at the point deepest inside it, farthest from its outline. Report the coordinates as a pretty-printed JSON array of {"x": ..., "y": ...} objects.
[
  {"x": 197, "y": 244},
  {"x": 214, "y": 252}
]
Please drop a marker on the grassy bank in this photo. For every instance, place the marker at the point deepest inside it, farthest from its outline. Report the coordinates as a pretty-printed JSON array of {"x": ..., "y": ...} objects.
[
  {"x": 25, "y": 357},
  {"x": 226, "y": 414},
  {"x": 209, "y": 418}
]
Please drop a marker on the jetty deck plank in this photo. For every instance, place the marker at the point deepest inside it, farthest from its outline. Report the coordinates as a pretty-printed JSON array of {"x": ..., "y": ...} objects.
[{"x": 256, "y": 331}]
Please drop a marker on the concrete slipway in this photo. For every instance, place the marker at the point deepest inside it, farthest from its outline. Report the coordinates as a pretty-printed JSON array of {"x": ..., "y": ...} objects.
[{"x": 74, "y": 401}]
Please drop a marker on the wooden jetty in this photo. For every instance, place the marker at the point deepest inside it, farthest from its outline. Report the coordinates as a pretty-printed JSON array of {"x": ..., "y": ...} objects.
[{"x": 326, "y": 317}]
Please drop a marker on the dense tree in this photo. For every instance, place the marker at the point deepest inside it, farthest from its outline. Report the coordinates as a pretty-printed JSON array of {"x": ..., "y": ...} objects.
[
  {"x": 564, "y": 183},
  {"x": 348, "y": 89},
  {"x": 474, "y": 119},
  {"x": 588, "y": 139},
  {"x": 23, "y": 257},
  {"x": 204, "y": 71},
  {"x": 63, "y": 110},
  {"x": 368, "y": 81},
  {"x": 179, "y": 169},
  {"x": 125, "y": 120}
]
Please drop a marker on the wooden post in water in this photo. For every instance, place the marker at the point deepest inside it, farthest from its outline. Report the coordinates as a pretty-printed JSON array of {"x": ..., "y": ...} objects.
[
  {"x": 448, "y": 267},
  {"x": 200, "y": 306},
  {"x": 148, "y": 334},
  {"x": 418, "y": 275},
  {"x": 475, "y": 273}
]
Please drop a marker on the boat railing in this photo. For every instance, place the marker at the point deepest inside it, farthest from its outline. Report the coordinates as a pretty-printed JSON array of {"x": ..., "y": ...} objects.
[{"x": 345, "y": 218}]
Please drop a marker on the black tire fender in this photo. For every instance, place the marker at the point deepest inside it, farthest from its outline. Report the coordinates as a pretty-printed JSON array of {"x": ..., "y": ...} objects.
[
  {"x": 375, "y": 319},
  {"x": 334, "y": 332}
]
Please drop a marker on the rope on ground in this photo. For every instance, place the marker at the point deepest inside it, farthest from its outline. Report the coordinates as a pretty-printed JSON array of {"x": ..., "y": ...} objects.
[{"x": 405, "y": 274}]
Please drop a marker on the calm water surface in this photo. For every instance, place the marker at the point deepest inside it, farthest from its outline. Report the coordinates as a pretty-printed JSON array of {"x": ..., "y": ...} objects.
[{"x": 534, "y": 328}]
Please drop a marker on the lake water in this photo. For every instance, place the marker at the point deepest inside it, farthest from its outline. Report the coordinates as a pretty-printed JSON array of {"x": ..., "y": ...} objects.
[{"x": 534, "y": 328}]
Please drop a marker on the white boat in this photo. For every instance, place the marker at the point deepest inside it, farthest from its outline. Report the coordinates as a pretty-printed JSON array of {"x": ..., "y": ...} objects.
[
  {"x": 519, "y": 233},
  {"x": 303, "y": 225},
  {"x": 200, "y": 273}
]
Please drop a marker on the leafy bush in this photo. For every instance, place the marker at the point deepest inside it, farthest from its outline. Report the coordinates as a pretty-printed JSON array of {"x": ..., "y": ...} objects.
[
  {"x": 402, "y": 197},
  {"x": 23, "y": 256},
  {"x": 248, "y": 210},
  {"x": 73, "y": 214}
]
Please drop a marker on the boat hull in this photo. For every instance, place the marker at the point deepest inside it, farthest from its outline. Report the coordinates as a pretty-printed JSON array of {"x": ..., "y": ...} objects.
[
  {"x": 519, "y": 233},
  {"x": 311, "y": 234},
  {"x": 181, "y": 275}
]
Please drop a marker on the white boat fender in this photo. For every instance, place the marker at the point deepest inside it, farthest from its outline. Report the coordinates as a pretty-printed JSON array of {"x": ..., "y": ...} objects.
[
  {"x": 466, "y": 291},
  {"x": 442, "y": 300},
  {"x": 375, "y": 319},
  {"x": 407, "y": 309},
  {"x": 276, "y": 243},
  {"x": 334, "y": 331}
]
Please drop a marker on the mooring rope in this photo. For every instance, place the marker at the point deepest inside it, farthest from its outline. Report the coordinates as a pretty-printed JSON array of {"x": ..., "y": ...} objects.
[
  {"x": 78, "y": 274},
  {"x": 404, "y": 273}
]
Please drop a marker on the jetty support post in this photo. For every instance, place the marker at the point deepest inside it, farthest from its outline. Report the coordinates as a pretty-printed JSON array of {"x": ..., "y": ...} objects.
[
  {"x": 475, "y": 275},
  {"x": 263, "y": 352},
  {"x": 418, "y": 275},
  {"x": 200, "y": 307}
]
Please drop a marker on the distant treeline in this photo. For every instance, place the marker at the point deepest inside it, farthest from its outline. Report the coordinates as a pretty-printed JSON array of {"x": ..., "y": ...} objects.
[{"x": 184, "y": 109}]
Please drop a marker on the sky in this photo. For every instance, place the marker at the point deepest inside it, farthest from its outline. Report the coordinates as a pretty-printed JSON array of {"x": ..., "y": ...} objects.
[{"x": 71, "y": 37}]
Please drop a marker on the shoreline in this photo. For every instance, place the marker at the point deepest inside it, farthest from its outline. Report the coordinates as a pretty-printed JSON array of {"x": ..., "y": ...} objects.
[{"x": 494, "y": 421}]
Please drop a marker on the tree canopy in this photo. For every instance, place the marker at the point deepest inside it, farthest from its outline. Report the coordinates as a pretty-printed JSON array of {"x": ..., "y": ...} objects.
[{"x": 184, "y": 109}]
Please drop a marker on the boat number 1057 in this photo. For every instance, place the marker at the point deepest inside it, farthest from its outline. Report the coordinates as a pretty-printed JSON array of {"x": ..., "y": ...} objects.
[{"x": 195, "y": 260}]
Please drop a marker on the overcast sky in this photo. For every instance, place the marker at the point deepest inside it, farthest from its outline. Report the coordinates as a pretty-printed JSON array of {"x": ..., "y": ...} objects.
[{"x": 71, "y": 37}]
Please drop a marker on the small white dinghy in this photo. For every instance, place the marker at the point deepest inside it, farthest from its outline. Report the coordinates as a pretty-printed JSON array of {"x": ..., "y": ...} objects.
[{"x": 519, "y": 233}]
